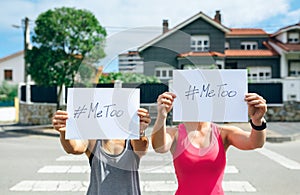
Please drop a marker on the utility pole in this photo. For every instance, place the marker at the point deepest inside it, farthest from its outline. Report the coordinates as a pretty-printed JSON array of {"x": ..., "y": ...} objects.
[{"x": 26, "y": 45}]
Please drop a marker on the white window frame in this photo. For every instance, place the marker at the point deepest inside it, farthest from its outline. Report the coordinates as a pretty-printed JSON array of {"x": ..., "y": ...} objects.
[
  {"x": 293, "y": 37},
  {"x": 294, "y": 70},
  {"x": 227, "y": 46},
  {"x": 249, "y": 45},
  {"x": 259, "y": 73},
  {"x": 164, "y": 72},
  {"x": 200, "y": 43}
]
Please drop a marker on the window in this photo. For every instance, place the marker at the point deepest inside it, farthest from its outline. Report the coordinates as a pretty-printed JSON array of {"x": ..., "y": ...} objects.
[
  {"x": 200, "y": 43},
  {"x": 293, "y": 37},
  {"x": 226, "y": 45},
  {"x": 259, "y": 73},
  {"x": 164, "y": 72},
  {"x": 8, "y": 75},
  {"x": 251, "y": 45},
  {"x": 294, "y": 69}
]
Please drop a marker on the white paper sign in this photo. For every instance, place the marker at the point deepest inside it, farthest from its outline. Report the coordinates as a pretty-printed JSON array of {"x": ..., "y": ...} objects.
[
  {"x": 210, "y": 95},
  {"x": 104, "y": 113}
]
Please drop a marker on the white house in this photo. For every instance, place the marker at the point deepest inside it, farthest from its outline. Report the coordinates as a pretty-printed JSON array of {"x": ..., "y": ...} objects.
[{"x": 12, "y": 68}]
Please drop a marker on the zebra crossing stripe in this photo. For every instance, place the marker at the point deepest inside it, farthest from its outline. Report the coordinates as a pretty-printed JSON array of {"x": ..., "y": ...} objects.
[
  {"x": 237, "y": 186},
  {"x": 72, "y": 158},
  {"x": 282, "y": 160},
  {"x": 50, "y": 185},
  {"x": 86, "y": 169},
  {"x": 65, "y": 169},
  {"x": 146, "y": 186}
]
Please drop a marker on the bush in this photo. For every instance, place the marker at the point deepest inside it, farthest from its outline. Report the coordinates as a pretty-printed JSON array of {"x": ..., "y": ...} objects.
[
  {"x": 8, "y": 92},
  {"x": 127, "y": 78}
]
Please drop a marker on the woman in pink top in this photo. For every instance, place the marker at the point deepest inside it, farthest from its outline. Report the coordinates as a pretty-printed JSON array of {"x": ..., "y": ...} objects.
[{"x": 199, "y": 148}]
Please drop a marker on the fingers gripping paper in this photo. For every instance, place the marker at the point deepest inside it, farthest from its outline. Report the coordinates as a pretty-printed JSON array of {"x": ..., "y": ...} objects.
[
  {"x": 210, "y": 95},
  {"x": 102, "y": 113}
]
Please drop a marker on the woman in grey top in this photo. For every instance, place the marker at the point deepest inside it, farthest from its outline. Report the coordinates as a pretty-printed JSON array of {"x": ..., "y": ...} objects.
[{"x": 114, "y": 163}]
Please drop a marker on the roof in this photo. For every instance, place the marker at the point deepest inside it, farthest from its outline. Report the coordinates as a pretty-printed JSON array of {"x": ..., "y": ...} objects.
[
  {"x": 285, "y": 29},
  {"x": 286, "y": 46},
  {"x": 232, "y": 53},
  {"x": 201, "y": 54},
  {"x": 12, "y": 56},
  {"x": 183, "y": 24},
  {"x": 250, "y": 53},
  {"x": 247, "y": 32}
]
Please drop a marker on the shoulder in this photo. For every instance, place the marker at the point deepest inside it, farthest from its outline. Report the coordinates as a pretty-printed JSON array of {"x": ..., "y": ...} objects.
[{"x": 90, "y": 147}]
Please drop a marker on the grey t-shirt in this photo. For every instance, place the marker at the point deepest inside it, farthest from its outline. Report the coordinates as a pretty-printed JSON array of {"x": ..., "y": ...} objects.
[{"x": 114, "y": 174}]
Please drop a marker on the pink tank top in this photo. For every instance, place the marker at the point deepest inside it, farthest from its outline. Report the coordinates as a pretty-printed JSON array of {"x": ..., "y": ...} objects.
[{"x": 199, "y": 170}]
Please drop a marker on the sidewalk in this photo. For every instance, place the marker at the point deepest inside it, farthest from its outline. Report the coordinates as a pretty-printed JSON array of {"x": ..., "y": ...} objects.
[{"x": 276, "y": 131}]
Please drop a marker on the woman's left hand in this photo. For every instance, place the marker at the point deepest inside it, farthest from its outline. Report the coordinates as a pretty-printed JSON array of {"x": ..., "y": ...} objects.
[{"x": 257, "y": 106}]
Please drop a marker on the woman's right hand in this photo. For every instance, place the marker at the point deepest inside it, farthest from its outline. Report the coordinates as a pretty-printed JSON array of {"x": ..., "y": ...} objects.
[
  {"x": 165, "y": 103},
  {"x": 59, "y": 120}
]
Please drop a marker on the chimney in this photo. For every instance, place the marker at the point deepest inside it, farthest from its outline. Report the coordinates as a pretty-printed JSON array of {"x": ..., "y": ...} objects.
[
  {"x": 165, "y": 26},
  {"x": 218, "y": 17}
]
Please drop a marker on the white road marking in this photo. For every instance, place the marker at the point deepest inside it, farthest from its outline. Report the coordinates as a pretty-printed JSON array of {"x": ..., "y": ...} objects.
[
  {"x": 50, "y": 185},
  {"x": 237, "y": 186},
  {"x": 282, "y": 160},
  {"x": 146, "y": 186},
  {"x": 72, "y": 158},
  {"x": 229, "y": 169},
  {"x": 86, "y": 169},
  {"x": 65, "y": 169}
]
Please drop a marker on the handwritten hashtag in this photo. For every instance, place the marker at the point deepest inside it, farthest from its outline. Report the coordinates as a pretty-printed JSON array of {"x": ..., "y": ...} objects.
[
  {"x": 79, "y": 111},
  {"x": 191, "y": 92}
]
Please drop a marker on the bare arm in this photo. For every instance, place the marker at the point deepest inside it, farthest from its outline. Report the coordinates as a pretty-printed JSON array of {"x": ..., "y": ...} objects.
[
  {"x": 249, "y": 140},
  {"x": 70, "y": 146},
  {"x": 140, "y": 146},
  {"x": 162, "y": 138}
]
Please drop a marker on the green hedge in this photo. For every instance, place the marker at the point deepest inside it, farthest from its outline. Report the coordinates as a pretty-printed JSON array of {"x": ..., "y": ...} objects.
[{"x": 8, "y": 92}]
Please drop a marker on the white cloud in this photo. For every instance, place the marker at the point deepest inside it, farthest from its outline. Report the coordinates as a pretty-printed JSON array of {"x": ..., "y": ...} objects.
[
  {"x": 292, "y": 17},
  {"x": 150, "y": 13},
  {"x": 132, "y": 13}
]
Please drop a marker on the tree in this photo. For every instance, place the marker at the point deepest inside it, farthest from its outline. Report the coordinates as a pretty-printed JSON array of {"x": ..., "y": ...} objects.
[
  {"x": 63, "y": 39},
  {"x": 8, "y": 92}
]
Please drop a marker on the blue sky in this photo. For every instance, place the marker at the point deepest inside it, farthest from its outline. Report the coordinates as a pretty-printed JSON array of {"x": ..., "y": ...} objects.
[{"x": 122, "y": 16}]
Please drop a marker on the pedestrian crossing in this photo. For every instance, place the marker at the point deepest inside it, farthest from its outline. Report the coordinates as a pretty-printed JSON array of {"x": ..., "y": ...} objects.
[{"x": 157, "y": 175}]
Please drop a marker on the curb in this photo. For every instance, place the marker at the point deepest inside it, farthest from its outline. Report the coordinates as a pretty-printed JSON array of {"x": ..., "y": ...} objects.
[
  {"x": 47, "y": 130},
  {"x": 281, "y": 138}
]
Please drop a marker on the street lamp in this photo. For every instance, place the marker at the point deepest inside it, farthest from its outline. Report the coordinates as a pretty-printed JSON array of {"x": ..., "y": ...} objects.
[{"x": 25, "y": 25}]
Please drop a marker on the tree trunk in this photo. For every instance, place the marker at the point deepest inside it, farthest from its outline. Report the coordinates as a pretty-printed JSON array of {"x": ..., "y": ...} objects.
[{"x": 58, "y": 97}]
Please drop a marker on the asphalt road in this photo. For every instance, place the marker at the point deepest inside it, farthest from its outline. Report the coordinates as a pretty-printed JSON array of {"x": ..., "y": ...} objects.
[{"x": 37, "y": 164}]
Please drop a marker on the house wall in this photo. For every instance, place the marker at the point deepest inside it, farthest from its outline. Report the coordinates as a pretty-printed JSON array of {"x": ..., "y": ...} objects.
[
  {"x": 165, "y": 52},
  {"x": 282, "y": 37},
  {"x": 243, "y": 63},
  {"x": 201, "y": 27},
  {"x": 283, "y": 60},
  {"x": 16, "y": 64},
  {"x": 205, "y": 60},
  {"x": 235, "y": 43},
  {"x": 291, "y": 90}
]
